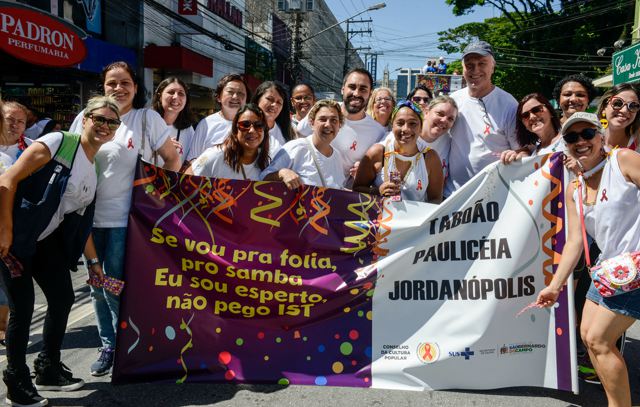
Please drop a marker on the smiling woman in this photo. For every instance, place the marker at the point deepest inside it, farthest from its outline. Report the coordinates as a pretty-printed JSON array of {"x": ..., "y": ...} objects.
[
  {"x": 312, "y": 160},
  {"x": 618, "y": 109}
]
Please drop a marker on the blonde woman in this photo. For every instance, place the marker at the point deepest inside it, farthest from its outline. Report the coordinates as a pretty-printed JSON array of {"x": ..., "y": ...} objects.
[{"x": 381, "y": 105}]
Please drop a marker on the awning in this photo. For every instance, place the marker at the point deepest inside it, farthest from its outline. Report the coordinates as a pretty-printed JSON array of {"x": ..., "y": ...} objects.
[
  {"x": 604, "y": 81},
  {"x": 177, "y": 58}
]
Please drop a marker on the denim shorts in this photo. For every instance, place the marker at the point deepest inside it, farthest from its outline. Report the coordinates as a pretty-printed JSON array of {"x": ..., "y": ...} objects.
[{"x": 625, "y": 304}]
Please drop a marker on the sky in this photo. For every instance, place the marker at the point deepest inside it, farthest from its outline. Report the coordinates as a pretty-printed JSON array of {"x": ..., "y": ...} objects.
[{"x": 405, "y": 31}]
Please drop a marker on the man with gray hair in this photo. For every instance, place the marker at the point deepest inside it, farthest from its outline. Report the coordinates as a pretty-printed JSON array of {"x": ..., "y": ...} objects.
[{"x": 486, "y": 123}]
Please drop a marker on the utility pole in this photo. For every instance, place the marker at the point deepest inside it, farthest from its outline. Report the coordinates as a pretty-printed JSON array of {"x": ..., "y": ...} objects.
[
  {"x": 347, "y": 45},
  {"x": 296, "y": 71},
  {"x": 371, "y": 63}
]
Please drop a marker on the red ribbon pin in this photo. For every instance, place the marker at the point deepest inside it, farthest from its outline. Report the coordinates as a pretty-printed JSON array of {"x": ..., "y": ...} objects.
[
  {"x": 353, "y": 146},
  {"x": 604, "y": 195},
  {"x": 130, "y": 144}
]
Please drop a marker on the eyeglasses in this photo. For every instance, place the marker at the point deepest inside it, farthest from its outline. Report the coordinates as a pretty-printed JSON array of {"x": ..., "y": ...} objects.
[
  {"x": 306, "y": 98},
  {"x": 99, "y": 121},
  {"x": 618, "y": 104},
  {"x": 383, "y": 99},
  {"x": 586, "y": 134},
  {"x": 534, "y": 110},
  {"x": 423, "y": 99},
  {"x": 245, "y": 125}
]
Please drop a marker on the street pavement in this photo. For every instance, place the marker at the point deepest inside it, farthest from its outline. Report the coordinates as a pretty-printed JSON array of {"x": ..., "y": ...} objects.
[{"x": 80, "y": 351}]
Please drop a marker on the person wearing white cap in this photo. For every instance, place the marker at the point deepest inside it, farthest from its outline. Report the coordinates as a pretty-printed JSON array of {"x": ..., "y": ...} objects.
[
  {"x": 486, "y": 124},
  {"x": 442, "y": 67},
  {"x": 604, "y": 201}
]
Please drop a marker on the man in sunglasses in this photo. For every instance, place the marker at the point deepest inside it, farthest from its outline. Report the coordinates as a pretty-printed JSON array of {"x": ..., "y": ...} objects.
[
  {"x": 360, "y": 131},
  {"x": 486, "y": 124}
]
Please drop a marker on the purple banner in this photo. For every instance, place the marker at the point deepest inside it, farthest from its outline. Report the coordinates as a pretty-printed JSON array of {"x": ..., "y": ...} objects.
[{"x": 237, "y": 281}]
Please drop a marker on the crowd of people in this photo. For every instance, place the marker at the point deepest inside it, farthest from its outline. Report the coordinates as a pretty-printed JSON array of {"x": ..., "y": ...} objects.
[{"x": 76, "y": 186}]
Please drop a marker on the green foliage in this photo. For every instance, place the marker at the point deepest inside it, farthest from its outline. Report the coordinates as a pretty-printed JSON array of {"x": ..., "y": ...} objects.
[{"x": 536, "y": 46}]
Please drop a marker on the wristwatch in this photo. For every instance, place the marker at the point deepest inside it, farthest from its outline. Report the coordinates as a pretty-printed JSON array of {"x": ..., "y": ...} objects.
[{"x": 93, "y": 262}]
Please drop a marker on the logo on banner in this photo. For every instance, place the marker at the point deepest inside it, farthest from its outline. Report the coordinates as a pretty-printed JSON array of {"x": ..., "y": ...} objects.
[
  {"x": 467, "y": 353},
  {"x": 38, "y": 37},
  {"x": 519, "y": 348},
  {"x": 428, "y": 352}
]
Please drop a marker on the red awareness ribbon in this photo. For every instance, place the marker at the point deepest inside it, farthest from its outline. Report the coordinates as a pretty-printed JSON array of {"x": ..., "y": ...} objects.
[
  {"x": 130, "y": 144},
  {"x": 487, "y": 129},
  {"x": 353, "y": 146},
  {"x": 419, "y": 185},
  {"x": 604, "y": 195}
]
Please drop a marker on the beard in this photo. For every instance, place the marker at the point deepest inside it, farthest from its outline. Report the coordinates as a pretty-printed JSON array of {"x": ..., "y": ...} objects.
[{"x": 354, "y": 110}]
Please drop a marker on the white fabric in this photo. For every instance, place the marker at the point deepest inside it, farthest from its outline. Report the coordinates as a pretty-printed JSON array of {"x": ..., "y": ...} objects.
[
  {"x": 81, "y": 187},
  {"x": 414, "y": 186},
  {"x": 354, "y": 139},
  {"x": 36, "y": 129},
  {"x": 442, "y": 146},
  {"x": 304, "y": 127},
  {"x": 614, "y": 220},
  {"x": 276, "y": 141},
  {"x": 211, "y": 164},
  {"x": 115, "y": 163},
  {"x": 211, "y": 130},
  {"x": 556, "y": 146},
  {"x": 186, "y": 136},
  {"x": 473, "y": 146},
  {"x": 9, "y": 154},
  {"x": 296, "y": 156}
]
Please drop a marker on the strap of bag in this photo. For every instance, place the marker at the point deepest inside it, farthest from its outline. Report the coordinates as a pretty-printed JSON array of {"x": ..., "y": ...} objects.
[
  {"x": 582, "y": 225},
  {"x": 315, "y": 161},
  {"x": 154, "y": 153}
]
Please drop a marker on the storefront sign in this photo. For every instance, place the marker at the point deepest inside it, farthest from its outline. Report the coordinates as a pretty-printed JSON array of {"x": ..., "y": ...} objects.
[
  {"x": 39, "y": 38},
  {"x": 188, "y": 7},
  {"x": 227, "y": 11},
  {"x": 626, "y": 65}
]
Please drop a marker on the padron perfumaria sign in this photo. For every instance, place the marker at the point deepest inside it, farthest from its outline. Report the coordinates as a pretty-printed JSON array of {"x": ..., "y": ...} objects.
[{"x": 38, "y": 37}]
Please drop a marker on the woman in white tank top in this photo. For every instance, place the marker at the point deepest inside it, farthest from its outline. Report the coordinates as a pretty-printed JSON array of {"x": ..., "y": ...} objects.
[
  {"x": 397, "y": 167},
  {"x": 610, "y": 186}
]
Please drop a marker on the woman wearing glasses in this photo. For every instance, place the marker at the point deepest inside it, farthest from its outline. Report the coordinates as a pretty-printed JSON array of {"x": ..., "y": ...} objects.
[
  {"x": 44, "y": 239},
  {"x": 302, "y": 99},
  {"x": 312, "y": 160},
  {"x": 421, "y": 96},
  {"x": 243, "y": 154},
  {"x": 618, "y": 111},
  {"x": 397, "y": 167},
  {"x": 604, "y": 200},
  {"x": 381, "y": 105}
]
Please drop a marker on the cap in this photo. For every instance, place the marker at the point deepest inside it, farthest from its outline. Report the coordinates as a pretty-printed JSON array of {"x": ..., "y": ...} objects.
[
  {"x": 578, "y": 117},
  {"x": 479, "y": 47},
  {"x": 442, "y": 58}
]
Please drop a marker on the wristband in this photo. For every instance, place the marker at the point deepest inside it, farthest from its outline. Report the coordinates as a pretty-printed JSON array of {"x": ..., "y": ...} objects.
[{"x": 93, "y": 262}]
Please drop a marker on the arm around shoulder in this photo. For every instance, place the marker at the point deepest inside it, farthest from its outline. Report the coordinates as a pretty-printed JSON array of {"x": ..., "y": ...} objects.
[{"x": 367, "y": 170}]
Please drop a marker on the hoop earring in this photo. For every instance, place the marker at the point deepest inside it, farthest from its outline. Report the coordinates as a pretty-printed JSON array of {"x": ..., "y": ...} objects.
[{"x": 604, "y": 121}]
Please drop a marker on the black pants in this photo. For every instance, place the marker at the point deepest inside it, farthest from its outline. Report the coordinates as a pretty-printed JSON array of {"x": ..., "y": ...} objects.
[{"x": 50, "y": 271}]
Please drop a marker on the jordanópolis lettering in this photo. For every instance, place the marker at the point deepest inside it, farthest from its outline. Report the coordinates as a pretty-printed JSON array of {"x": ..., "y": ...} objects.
[{"x": 474, "y": 289}]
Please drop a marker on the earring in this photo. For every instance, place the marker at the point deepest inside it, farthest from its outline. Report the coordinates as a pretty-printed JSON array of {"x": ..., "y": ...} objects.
[{"x": 604, "y": 121}]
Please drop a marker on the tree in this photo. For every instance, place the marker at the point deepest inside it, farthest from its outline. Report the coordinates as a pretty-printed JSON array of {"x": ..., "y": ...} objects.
[{"x": 538, "y": 42}]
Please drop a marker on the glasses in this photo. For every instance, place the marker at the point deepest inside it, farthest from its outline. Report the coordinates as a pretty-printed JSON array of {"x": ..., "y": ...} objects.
[
  {"x": 303, "y": 98},
  {"x": 618, "y": 104},
  {"x": 533, "y": 110},
  {"x": 421, "y": 99},
  {"x": 245, "y": 125},
  {"x": 586, "y": 134},
  {"x": 383, "y": 99},
  {"x": 99, "y": 121}
]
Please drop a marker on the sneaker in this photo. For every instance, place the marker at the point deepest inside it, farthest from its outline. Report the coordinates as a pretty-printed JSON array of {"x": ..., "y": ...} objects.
[
  {"x": 57, "y": 378},
  {"x": 20, "y": 390},
  {"x": 103, "y": 365},
  {"x": 588, "y": 374}
]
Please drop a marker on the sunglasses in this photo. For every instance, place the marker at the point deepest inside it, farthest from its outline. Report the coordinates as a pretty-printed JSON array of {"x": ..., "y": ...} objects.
[
  {"x": 245, "y": 125},
  {"x": 586, "y": 134},
  {"x": 418, "y": 99},
  {"x": 534, "y": 110},
  {"x": 99, "y": 121},
  {"x": 618, "y": 104}
]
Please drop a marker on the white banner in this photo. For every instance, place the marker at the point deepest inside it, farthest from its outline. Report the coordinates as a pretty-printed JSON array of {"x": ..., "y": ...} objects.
[{"x": 455, "y": 277}]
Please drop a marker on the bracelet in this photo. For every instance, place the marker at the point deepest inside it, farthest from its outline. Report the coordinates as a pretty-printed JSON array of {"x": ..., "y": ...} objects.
[{"x": 93, "y": 262}]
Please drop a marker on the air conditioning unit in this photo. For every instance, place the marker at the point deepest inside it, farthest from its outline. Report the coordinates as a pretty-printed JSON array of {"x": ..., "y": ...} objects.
[{"x": 295, "y": 5}]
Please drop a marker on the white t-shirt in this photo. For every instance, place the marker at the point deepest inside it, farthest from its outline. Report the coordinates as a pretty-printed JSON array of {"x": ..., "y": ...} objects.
[
  {"x": 211, "y": 130},
  {"x": 442, "y": 145},
  {"x": 296, "y": 155},
  {"x": 304, "y": 127},
  {"x": 9, "y": 154},
  {"x": 211, "y": 164},
  {"x": 81, "y": 186},
  {"x": 116, "y": 160},
  {"x": 484, "y": 128},
  {"x": 556, "y": 146},
  {"x": 186, "y": 135},
  {"x": 354, "y": 139},
  {"x": 276, "y": 140}
]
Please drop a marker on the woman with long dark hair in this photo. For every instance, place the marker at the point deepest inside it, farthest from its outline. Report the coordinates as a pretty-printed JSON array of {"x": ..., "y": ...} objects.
[
  {"x": 271, "y": 97},
  {"x": 618, "y": 111},
  {"x": 243, "y": 154}
]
